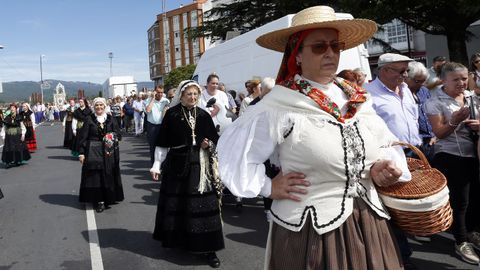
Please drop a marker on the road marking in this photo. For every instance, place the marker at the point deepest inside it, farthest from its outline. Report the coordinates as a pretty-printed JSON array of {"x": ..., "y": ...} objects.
[{"x": 95, "y": 252}]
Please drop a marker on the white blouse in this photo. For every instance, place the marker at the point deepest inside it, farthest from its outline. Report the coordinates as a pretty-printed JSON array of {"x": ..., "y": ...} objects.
[{"x": 335, "y": 157}]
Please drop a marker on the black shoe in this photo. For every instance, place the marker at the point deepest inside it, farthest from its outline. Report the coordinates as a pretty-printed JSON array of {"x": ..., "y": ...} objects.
[
  {"x": 212, "y": 260},
  {"x": 100, "y": 207}
]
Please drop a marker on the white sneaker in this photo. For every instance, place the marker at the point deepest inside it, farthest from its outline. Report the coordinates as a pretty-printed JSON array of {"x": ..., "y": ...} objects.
[
  {"x": 474, "y": 238},
  {"x": 466, "y": 251}
]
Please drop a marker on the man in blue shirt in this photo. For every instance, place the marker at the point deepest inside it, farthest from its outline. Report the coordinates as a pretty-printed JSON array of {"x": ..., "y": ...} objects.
[
  {"x": 156, "y": 107},
  {"x": 392, "y": 100}
]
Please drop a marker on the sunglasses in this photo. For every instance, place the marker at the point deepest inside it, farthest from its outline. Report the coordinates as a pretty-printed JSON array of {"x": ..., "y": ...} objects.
[
  {"x": 401, "y": 72},
  {"x": 322, "y": 47}
]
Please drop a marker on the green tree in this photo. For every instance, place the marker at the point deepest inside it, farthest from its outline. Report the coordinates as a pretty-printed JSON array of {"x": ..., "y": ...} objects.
[
  {"x": 177, "y": 75},
  {"x": 247, "y": 15},
  {"x": 436, "y": 17}
]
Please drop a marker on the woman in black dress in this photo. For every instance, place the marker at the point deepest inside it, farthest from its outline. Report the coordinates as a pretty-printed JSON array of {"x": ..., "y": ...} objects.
[
  {"x": 101, "y": 183},
  {"x": 79, "y": 116},
  {"x": 15, "y": 151},
  {"x": 67, "y": 125},
  {"x": 188, "y": 213},
  {"x": 28, "y": 119}
]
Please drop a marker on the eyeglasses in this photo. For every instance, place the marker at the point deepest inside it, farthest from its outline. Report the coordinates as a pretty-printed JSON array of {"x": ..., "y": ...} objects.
[
  {"x": 419, "y": 81},
  {"x": 399, "y": 71},
  {"x": 322, "y": 47}
]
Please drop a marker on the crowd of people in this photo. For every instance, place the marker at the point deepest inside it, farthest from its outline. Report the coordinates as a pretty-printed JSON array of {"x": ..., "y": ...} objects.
[{"x": 313, "y": 143}]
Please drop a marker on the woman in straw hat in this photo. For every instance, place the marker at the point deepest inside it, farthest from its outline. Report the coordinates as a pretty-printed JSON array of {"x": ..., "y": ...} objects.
[
  {"x": 101, "y": 183},
  {"x": 332, "y": 149},
  {"x": 188, "y": 213}
]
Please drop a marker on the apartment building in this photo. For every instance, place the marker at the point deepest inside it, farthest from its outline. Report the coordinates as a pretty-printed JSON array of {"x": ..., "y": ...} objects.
[{"x": 168, "y": 43}]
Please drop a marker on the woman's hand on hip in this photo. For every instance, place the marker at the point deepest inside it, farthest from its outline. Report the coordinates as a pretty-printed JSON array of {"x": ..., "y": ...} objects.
[
  {"x": 285, "y": 186},
  {"x": 385, "y": 172},
  {"x": 81, "y": 158}
]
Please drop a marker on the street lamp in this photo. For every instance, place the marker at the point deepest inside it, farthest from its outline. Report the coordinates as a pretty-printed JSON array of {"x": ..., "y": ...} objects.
[
  {"x": 110, "y": 55},
  {"x": 41, "y": 75},
  {"x": 1, "y": 85}
]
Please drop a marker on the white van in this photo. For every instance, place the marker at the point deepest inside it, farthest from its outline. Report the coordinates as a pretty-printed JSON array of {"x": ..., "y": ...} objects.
[{"x": 240, "y": 59}]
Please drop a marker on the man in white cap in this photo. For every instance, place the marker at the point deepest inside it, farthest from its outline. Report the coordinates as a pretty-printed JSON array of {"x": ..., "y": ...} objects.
[
  {"x": 392, "y": 100},
  {"x": 394, "y": 103}
]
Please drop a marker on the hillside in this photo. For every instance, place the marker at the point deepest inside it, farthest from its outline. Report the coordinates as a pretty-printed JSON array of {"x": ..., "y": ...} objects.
[{"x": 22, "y": 90}]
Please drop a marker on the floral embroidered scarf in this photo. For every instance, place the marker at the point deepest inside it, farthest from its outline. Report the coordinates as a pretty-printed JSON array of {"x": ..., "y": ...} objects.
[{"x": 356, "y": 96}]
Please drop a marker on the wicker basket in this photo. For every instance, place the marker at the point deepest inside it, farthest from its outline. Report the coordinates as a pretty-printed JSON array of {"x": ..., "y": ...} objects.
[{"x": 420, "y": 206}]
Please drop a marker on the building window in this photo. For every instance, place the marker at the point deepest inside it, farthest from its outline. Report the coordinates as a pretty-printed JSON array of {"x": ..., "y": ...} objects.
[
  {"x": 176, "y": 23},
  {"x": 396, "y": 32},
  {"x": 185, "y": 23}
]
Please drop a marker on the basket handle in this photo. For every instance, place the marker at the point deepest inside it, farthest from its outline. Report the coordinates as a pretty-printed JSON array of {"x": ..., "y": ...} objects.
[{"x": 417, "y": 151}]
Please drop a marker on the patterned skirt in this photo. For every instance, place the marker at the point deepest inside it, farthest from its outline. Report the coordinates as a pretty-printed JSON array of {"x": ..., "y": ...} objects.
[
  {"x": 31, "y": 141},
  {"x": 363, "y": 241}
]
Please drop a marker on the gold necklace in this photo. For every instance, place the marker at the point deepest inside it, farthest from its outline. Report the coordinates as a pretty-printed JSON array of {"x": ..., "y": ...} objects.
[{"x": 191, "y": 121}]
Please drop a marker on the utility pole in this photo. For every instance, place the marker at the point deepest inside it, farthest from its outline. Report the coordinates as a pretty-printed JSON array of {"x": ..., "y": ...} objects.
[
  {"x": 41, "y": 76},
  {"x": 110, "y": 55}
]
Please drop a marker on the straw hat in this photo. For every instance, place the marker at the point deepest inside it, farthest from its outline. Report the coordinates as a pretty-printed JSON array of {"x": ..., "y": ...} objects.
[{"x": 351, "y": 31}]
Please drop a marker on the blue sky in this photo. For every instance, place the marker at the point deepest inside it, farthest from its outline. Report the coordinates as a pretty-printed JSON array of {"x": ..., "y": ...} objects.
[{"x": 76, "y": 36}]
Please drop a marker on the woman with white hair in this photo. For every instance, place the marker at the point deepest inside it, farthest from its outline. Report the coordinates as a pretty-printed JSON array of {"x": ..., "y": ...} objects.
[
  {"x": 417, "y": 76},
  {"x": 188, "y": 213},
  {"x": 101, "y": 183},
  {"x": 28, "y": 119}
]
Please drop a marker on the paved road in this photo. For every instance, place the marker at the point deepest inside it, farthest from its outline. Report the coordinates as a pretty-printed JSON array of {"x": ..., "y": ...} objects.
[{"x": 43, "y": 226}]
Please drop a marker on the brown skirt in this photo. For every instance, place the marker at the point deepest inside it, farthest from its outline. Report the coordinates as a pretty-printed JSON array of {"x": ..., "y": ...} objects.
[{"x": 363, "y": 241}]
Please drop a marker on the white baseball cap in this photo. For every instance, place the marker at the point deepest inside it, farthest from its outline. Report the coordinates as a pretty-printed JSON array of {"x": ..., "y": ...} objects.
[{"x": 388, "y": 58}]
